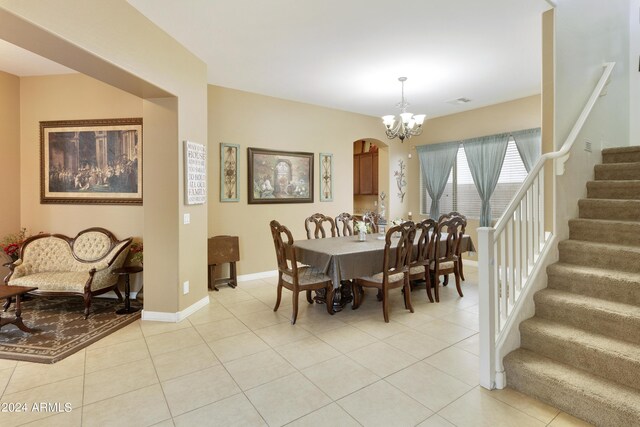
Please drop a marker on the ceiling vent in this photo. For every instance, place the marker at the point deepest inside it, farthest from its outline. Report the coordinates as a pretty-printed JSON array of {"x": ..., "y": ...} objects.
[{"x": 457, "y": 101}]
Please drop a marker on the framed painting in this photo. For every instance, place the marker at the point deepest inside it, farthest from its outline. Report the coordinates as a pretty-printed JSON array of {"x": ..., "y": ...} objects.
[
  {"x": 326, "y": 177},
  {"x": 279, "y": 176},
  {"x": 229, "y": 173},
  {"x": 91, "y": 161}
]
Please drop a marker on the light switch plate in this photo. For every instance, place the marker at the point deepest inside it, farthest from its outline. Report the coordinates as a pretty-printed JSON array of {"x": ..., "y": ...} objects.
[
  {"x": 187, "y": 219},
  {"x": 185, "y": 288}
]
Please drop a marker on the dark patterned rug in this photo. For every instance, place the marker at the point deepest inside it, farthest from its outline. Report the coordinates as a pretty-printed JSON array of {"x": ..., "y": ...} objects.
[{"x": 60, "y": 327}]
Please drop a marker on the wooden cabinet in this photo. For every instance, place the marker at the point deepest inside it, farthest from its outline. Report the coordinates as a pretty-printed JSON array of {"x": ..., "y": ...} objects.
[{"x": 365, "y": 173}]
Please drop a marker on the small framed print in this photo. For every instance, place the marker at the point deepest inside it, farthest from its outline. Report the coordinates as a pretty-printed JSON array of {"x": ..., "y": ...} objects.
[
  {"x": 229, "y": 173},
  {"x": 326, "y": 177}
]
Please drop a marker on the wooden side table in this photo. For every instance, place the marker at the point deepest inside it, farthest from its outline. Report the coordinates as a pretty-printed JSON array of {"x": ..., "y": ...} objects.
[
  {"x": 127, "y": 272},
  {"x": 223, "y": 249},
  {"x": 7, "y": 292}
]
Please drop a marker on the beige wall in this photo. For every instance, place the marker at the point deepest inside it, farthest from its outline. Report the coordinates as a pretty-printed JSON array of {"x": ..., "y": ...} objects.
[
  {"x": 70, "y": 97},
  {"x": 111, "y": 41},
  {"x": 252, "y": 120},
  {"x": 9, "y": 153},
  {"x": 508, "y": 116},
  {"x": 9, "y": 157}
]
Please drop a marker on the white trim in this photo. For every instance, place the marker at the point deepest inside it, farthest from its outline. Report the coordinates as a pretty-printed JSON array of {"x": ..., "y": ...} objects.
[
  {"x": 259, "y": 275},
  {"x": 470, "y": 262},
  {"x": 160, "y": 316}
]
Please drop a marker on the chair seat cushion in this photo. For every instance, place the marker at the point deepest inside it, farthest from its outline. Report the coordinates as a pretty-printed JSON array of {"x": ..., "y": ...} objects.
[
  {"x": 307, "y": 276},
  {"x": 419, "y": 269},
  {"x": 62, "y": 281},
  {"x": 378, "y": 278},
  {"x": 443, "y": 265}
]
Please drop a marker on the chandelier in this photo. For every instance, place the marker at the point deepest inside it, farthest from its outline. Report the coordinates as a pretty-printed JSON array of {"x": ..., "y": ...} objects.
[{"x": 407, "y": 125}]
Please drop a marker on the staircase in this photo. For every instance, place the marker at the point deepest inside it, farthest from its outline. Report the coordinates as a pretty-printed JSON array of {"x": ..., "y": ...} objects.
[{"x": 581, "y": 351}]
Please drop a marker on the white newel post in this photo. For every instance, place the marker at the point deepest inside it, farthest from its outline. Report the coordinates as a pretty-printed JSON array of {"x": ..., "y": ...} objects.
[{"x": 487, "y": 307}]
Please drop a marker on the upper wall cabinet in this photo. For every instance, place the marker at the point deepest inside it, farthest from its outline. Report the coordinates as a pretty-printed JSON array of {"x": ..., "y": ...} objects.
[{"x": 365, "y": 171}]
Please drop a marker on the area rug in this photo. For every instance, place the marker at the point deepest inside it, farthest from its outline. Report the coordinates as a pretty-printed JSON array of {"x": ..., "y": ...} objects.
[{"x": 60, "y": 327}]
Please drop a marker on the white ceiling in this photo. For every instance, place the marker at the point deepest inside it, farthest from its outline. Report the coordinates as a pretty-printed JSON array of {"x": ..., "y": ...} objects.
[{"x": 348, "y": 54}]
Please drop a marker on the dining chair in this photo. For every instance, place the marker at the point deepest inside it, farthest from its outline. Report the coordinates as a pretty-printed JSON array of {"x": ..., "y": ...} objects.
[
  {"x": 318, "y": 222},
  {"x": 293, "y": 277},
  {"x": 445, "y": 261},
  {"x": 344, "y": 224},
  {"x": 446, "y": 217},
  {"x": 419, "y": 268},
  {"x": 395, "y": 270},
  {"x": 371, "y": 218}
]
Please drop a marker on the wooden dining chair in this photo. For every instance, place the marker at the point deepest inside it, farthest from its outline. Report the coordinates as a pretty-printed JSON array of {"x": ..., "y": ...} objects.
[
  {"x": 445, "y": 261},
  {"x": 395, "y": 270},
  {"x": 419, "y": 268},
  {"x": 319, "y": 223},
  {"x": 293, "y": 277},
  {"x": 371, "y": 218},
  {"x": 344, "y": 224},
  {"x": 446, "y": 217}
]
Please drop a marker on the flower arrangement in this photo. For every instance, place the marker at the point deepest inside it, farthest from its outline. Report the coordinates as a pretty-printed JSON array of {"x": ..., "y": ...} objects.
[
  {"x": 362, "y": 226},
  {"x": 136, "y": 253},
  {"x": 11, "y": 243},
  {"x": 397, "y": 221}
]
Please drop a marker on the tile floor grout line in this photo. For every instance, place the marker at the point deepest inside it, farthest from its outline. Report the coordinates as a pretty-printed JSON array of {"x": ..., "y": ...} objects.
[
  {"x": 234, "y": 381},
  {"x": 164, "y": 396}
]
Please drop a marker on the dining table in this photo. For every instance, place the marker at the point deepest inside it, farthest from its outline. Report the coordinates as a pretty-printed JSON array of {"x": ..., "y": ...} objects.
[{"x": 345, "y": 258}]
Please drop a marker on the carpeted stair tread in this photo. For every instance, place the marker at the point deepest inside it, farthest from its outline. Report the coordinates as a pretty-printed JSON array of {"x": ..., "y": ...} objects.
[
  {"x": 605, "y": 231},
  {"x": 620, "y": 286},
  {"x": 612, "y": 209},
  {"x": 608, "y": 318},
  {"x": 601, "y": 255},
  {"x": 592, "y": 398},
  {"x": 617, "y": 171},
  {"x": 610, "y": 358},
  {"x": 625, "y": 190},
  {"x": 621, "y": 154}
]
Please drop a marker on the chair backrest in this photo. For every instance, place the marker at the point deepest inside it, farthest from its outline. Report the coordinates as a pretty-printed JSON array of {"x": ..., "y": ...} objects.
[
  {"x": 454, "y": 214},
  {"x": 285, "y": 253},
  {"x": 318, "y": 222},
  {"x": 344, "y": 224},
  {"x": 426, "y": 241},
  {"x": 454, "y": 229},
  {"x": 398, "y": 261},
  {"x": 372, "y": 219}
]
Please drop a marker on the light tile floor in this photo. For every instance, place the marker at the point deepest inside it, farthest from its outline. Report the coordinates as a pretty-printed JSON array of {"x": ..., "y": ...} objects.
[{"x": 237, "y": 363}]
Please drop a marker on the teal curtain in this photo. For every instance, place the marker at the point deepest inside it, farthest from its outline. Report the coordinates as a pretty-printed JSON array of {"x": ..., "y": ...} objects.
[
  {"x": 485, "y": 157},
  {"x": 529, "y": 143},
  {"x": 436, "y": 161}
]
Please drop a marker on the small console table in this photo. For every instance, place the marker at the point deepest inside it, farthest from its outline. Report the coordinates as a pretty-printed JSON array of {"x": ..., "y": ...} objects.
[
  {"x": 7, "y": 292},
  {"x": 127, "y": 271},
  {"x": 223, "y": 249}
]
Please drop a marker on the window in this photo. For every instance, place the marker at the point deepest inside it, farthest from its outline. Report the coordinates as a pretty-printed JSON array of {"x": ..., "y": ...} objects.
[{"x": 460, "y": 193}]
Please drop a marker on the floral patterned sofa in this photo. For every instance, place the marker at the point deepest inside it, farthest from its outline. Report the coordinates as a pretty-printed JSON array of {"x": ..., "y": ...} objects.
[{"x": 59, "y": 265}]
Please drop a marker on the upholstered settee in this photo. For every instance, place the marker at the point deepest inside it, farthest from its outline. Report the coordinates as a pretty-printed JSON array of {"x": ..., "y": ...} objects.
[{"x": 59, "y": 265}]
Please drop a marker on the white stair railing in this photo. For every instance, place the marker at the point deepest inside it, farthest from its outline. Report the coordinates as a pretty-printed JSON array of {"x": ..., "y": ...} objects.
[{"x": 510, "y": 254}]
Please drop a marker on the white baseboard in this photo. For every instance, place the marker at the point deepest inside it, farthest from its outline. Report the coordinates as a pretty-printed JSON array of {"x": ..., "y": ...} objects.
[
  {"x": 259, "y": 275},
  {"x": 160, "y": 316}
]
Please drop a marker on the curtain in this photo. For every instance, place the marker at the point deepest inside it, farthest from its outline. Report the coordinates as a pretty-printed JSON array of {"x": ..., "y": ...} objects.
[
  {"x": 529, "y": 146},
  {"x": 485, "y": 157},
  {"x": 436, "y": 161}
]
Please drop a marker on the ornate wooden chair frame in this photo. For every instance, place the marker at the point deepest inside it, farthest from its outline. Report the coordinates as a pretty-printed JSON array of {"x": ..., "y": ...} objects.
[
  {"x": 446, "y": 263},
  {"x": 419, "y": 269},
  {"x": 447, "y": 217},
  {"x": 294, "y": 278},
  {"x": 318, "y": 220},
  {"x": 344, "y": 224},
  {"x": 395, "y": 270}
]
